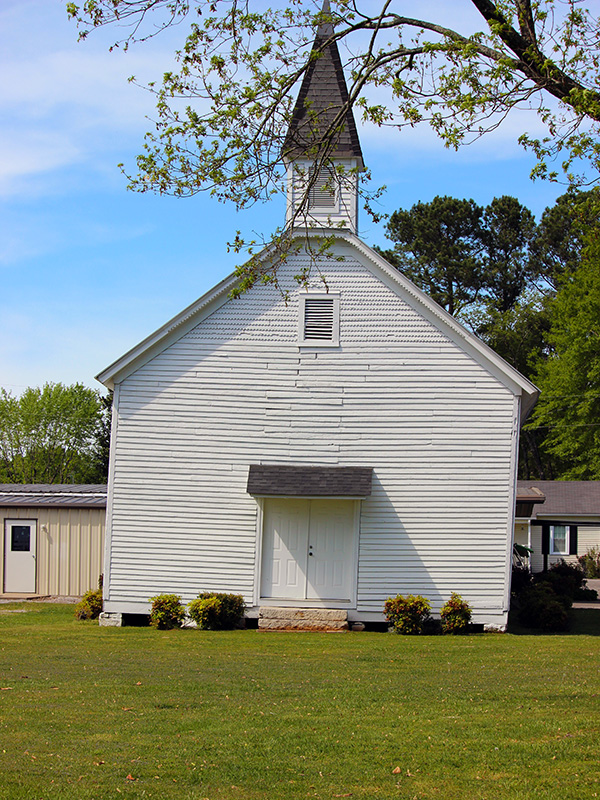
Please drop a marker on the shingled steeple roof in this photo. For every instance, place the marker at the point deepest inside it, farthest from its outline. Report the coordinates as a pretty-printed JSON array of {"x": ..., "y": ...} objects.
[{"x": 322, "y": 95}]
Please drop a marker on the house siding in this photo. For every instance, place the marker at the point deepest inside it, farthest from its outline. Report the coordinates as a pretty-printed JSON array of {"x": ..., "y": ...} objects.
[
  {"x": 587, "y": 537},
  {"x": 398, "y": 395}
]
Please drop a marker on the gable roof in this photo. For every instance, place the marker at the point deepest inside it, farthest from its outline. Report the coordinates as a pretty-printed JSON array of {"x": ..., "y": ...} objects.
[
  {"x": 322, "y": 97},
  {"x": 565, "y": 498},
  {"x": 88, "y": 495},
  {"x": 181, "y": 324}
]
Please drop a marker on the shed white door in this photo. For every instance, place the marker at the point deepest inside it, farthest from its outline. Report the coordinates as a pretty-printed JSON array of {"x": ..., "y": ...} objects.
[
  {"x": 308, "y": 550},
  {"x": 19, "y": 555}
]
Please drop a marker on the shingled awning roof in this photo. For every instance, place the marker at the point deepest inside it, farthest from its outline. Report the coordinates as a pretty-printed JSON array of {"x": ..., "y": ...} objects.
[
  {"x": 44, "y": 495},
  {"x": 288, "y": 480},
  {"x": 527, "y": 497},
  {"x": 322, "y": 96}
]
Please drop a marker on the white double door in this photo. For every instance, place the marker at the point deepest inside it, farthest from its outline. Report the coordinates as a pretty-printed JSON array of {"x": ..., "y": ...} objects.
[{"x": 308, "y": 550}]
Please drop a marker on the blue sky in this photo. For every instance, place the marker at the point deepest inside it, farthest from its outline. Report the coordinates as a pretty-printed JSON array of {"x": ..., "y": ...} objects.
[{"x": 88, "y": 268}]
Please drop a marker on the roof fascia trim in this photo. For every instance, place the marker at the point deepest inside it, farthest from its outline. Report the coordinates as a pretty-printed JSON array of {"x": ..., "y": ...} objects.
[{"x": 176, "y": 327}]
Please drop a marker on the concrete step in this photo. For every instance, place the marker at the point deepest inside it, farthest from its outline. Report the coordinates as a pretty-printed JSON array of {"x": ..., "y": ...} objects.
[{"x": 271, "y": 618}]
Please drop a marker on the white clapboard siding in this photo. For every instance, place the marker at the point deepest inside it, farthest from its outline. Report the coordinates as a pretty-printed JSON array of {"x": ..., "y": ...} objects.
[{"x": 397, "y": 395}]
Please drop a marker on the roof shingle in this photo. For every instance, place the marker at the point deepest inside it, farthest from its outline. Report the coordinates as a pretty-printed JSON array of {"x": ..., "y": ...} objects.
[
  {"x": 322, "y": 96},
  {"x": 581, "y": 498},
  {"x": 289, "y": 480}
]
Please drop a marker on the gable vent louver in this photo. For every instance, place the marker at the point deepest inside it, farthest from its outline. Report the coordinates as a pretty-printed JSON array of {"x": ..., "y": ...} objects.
[
  {"x": 322, "y": 193},
  {"x": 318, "y": 318}
]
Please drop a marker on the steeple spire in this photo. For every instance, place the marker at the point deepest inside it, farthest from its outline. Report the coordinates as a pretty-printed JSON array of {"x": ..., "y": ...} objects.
[
  {"x": 322, "y": 97},
  {"x": 322, "y": 137},
  {"x": 325, "y": 29}
]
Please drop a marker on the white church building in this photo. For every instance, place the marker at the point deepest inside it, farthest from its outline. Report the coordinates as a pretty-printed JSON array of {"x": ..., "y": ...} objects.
[{"x": 320, "y": 451}]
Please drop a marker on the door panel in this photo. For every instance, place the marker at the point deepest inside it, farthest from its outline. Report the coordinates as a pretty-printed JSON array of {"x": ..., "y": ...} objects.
[
  {"x": 331, "y": 550},
  {"x": 20, "y": 555},
  {"x": 285, "y": 542}
]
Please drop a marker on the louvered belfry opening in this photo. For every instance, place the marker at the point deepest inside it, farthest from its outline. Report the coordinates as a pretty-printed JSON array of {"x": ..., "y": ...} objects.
[
  {"x": 318, "y": 318},
  {"x": 322, "y": 193}
]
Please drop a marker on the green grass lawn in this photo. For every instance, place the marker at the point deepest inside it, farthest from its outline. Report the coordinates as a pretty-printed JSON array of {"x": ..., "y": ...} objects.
[{"x": 89, "y": 712}]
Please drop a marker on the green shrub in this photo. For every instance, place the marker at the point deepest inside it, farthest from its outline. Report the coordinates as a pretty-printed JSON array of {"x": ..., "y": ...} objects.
[
  {"x": 432, "y": 627},
  {"x": 217, "y": 611},
  {"x": 564, "y": 578},
  {"x": 540, "y": 607},
  {"x": 407, "y": 614},
  {"x": 590, "y": 563},
  {"x": 455, "y": 615},
  {"x": 521, "y": 578},
  {"x": 205, "y": 612},
  {"x": 167, "y": 612},
  {"x": 90, "y": 605}
]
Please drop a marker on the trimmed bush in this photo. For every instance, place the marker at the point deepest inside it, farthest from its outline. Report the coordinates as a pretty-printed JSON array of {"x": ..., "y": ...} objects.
[
  {"x": 90, "y": 605},
  {"x": 590, "y": 563},
  {"x": 432, "y": 627},
  {"x": 167, "y": 612},
  {"x": 455, "y": 615},
  {"x": 217, "y": 611},
  {"x": 564, "y": 578},
  {"x": 540, "y": 607},
  {"x": 407, "y": 615}
]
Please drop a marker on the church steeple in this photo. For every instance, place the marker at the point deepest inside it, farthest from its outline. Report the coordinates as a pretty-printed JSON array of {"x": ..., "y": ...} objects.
[{"x": 322, "y": 146}]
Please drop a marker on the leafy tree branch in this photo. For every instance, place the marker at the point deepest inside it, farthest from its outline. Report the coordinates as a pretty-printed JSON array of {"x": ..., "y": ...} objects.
[{"x": 223, "y": 114}]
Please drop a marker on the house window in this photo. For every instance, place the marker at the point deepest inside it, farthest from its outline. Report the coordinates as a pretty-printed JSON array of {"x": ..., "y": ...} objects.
[
  {"x": 319, "y": 319},
  {"x": 559, "y": 543},
  {"x": 322, "y": 192}
]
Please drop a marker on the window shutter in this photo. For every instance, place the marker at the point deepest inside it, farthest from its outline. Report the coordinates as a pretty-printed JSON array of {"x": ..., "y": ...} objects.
[
  {"x": 545, "y": 539},
  {"x": 318, "y": 318},
  {"x": 572, "y": 540},
  {"x": 322, "y": 193}
]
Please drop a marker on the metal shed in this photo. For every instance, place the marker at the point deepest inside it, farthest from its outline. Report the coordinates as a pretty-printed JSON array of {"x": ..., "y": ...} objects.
[{"x": 53, "y": 538}]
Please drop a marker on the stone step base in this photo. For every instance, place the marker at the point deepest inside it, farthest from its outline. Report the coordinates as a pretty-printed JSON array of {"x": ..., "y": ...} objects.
[{"x": 271, "y": 618}]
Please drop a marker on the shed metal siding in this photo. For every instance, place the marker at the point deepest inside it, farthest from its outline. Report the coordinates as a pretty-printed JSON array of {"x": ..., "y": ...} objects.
[
  {"x": 397, "y": 394},
  {"x": 70, "y": 547}
]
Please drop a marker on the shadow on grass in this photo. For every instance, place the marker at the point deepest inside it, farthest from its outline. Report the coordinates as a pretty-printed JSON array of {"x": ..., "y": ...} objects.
[{"x": 584, "y": 622}]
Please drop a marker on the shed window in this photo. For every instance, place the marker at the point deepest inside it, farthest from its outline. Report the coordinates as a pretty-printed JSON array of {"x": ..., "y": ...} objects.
[
  {"x": 319, "y": 319},
  {"x": 20, "y": 536},
  {"x": 322, "y": 192}
]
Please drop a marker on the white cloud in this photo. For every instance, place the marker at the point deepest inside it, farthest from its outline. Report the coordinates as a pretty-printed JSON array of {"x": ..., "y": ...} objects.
[
  {"x": 66, "y": 103},
  {"x": 25, "y": 153}
]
